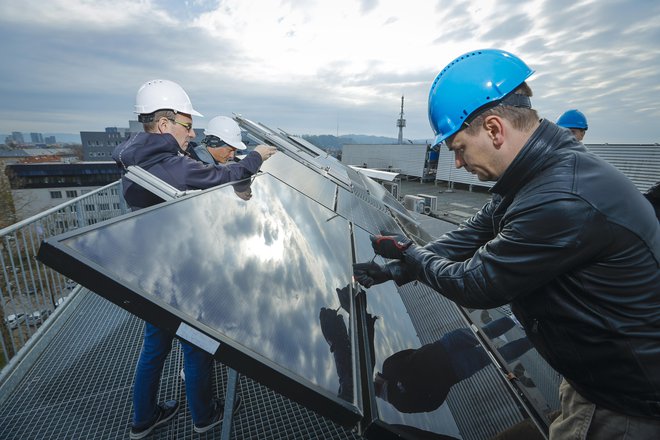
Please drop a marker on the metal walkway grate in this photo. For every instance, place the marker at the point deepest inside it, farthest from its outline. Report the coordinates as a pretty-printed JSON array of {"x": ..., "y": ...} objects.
[{"x": 80, "y": 388}]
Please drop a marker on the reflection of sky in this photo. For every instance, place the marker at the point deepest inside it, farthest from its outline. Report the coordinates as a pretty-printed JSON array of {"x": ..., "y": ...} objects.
[
  {"x": 302, "y": 178},
  {"x": 256, "y": 271},
  {"x": 363, "y": 214},
  {"x": 394, "y": 332}
]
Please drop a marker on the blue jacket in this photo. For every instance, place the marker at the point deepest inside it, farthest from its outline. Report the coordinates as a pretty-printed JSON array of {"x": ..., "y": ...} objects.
[
  {"x": 574, "y": 247},
  {"x": 161, "y": 156}
]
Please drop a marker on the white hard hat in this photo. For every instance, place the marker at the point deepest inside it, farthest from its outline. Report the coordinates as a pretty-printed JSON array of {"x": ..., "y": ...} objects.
[
  {"x": 161, "y": 94},
  {"x": 226, "y": 129}
]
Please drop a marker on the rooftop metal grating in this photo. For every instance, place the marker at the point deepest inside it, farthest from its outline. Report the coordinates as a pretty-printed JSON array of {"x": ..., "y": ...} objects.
[{"x": 80, "y": 388}]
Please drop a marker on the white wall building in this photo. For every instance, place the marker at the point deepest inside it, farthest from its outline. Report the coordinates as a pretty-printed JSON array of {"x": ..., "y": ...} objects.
[
  {"x": 406, "y": 159},
  {"x": 639, "y": 162}
]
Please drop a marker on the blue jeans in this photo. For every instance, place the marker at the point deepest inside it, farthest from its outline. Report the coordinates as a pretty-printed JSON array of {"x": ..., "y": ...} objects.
[
  {"x": 468, "y": 357},
  {"x": 197, "y": 365}
]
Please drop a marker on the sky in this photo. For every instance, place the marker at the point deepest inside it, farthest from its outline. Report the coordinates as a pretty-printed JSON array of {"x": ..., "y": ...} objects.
[{"x": 322, "y": 67}]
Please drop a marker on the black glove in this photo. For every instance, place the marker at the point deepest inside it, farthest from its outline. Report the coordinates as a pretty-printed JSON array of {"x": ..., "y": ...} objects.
[
  {"x": 371, "y": 273},
  {"x": 390, "y": 246}
]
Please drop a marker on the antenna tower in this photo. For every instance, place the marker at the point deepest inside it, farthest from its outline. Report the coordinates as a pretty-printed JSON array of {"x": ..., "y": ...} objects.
[{"x": 401, "y": 123}]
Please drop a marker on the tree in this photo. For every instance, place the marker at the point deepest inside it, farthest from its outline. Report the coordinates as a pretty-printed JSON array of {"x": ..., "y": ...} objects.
[
  {"x": 7, "y": 209},
  {"x": 7, "y": 218}
]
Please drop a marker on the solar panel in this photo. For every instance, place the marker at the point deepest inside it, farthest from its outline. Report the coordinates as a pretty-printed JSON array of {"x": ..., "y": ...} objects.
[
  {"x": 302, "y": 178},
  {"x": 245, "y": 280}
]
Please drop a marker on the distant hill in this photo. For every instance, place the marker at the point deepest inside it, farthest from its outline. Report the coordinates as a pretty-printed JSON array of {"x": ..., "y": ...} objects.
[{"x": 367, "y": 139}]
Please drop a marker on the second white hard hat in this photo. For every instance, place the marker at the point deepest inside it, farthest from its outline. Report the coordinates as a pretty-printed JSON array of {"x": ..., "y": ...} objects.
[{"x": 226, "y": 129}]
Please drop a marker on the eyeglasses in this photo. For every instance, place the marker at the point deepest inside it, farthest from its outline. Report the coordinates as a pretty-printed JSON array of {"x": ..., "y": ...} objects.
[{"x": 186, "y": 125}]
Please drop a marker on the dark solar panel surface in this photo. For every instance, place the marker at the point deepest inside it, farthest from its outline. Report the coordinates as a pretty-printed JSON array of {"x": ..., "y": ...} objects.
[
  {"x": 254, "y": 274},
  {"x": 302, "y": 178}
]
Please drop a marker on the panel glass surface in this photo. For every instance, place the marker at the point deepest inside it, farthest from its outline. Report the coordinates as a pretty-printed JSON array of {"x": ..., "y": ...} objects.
[
  {"x": 256, "y": 271},
  {"x": 363, "y": 214},
  {"x": 393, "y": 332},
  {"x": 302, "y": 178}
]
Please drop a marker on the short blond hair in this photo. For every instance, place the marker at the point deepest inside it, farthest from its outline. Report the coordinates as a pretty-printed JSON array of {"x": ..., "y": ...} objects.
[{"x": 522, "y": 118}]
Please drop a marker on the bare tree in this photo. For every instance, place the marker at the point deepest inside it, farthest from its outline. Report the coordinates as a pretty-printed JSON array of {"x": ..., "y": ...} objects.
[{"x": 7, "y": 218}]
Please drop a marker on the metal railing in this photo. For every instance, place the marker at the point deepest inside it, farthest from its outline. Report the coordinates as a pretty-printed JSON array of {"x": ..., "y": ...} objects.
[{"x": 30, "y": 290}]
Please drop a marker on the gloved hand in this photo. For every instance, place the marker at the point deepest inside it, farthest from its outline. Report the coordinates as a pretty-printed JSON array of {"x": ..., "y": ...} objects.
[
  {"x": 371, "y": 273},
  {"x": 390, "y": 246}
]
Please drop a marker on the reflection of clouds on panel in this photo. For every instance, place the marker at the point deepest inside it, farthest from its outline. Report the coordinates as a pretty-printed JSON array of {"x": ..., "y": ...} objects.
[{"x": 258, "y": 272}]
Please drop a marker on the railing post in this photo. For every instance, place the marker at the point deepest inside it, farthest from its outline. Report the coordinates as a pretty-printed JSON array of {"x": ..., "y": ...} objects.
[{"x": 230, "y": 397}]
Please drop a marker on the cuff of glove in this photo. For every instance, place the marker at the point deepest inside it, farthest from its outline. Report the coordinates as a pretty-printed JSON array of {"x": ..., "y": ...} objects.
[
  {"x": 399, "y": 272},
  {"x": 411, "y": 258}
]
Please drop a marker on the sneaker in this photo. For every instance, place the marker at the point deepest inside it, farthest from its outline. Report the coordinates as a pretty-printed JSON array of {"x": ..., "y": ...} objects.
[
  {"x": 166, "y": 411},
  {"x": 218, "y": 415}
]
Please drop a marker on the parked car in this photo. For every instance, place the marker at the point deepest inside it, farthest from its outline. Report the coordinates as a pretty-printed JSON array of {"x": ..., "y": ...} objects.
[
  {"x": 14, "y": 320},
  {"x": 37, "y": 317},
  {"x": 70, "y": 284}
]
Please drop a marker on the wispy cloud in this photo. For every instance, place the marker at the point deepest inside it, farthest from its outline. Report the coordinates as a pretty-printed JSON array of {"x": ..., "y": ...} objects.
[{"x": 315, "y": 67}]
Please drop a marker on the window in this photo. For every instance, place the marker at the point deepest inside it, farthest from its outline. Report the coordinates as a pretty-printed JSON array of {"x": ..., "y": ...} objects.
[
  {"x": 90, "y": 208},
  {"x": 72, "y": 193},
  {"x": 104, "y": 206},
  {"x": 56, "y": 194}
]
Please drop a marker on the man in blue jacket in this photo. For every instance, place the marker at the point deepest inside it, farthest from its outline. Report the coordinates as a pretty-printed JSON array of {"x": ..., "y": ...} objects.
[
  {"x": 566, "y": 239},
  {"x": 166, "y": 112}
]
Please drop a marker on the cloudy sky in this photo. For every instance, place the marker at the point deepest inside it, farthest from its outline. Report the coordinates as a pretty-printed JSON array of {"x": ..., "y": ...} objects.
[{"x": 322, "y": 67}]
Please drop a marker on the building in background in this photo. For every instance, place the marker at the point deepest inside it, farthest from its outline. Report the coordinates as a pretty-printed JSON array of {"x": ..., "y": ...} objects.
[
  {"x": 17, "y": 137},
  {"x": 411, "y": 160},
  {"x": 37, "y": 138},
  {"x": 639, "y": 162},
  {"x": 36, "y": 187},
  {"x": 98, "y": 145}
]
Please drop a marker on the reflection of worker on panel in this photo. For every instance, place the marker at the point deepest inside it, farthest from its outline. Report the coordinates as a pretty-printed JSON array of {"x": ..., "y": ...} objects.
[
  {"x": 335, "y": 333},
  {"x": 418, "y": 380}
]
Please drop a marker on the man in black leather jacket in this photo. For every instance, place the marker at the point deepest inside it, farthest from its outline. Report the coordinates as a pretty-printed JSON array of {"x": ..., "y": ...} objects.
[{"x": 567, "y": 240}]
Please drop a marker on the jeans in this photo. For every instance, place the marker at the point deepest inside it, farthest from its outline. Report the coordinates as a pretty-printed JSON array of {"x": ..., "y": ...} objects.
[
  {"x": 197, "y": 365},
  {"x": 468, "y": 357}
]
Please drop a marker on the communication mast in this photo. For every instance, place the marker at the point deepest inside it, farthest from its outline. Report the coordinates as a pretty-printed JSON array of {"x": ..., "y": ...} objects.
[{"x": 401, "y": 123}]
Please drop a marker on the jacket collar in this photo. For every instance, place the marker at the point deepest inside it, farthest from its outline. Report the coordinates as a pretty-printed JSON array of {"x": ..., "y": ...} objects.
[{"x": 531, "y": 158}]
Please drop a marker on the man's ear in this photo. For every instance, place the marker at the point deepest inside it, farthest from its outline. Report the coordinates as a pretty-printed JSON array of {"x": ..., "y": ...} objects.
[
  {"x": 162, "y": 125},
  {"x": 494, "y": 126}
]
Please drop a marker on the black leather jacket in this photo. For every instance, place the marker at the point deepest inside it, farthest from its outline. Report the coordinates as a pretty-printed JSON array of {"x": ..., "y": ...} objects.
[{"x": 575, "y": 248}]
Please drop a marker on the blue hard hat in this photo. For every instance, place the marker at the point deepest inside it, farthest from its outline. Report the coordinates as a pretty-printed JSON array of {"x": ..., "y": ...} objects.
[
  {"x": 468, "y": 83},
  {"x": 573, "y": 119}
]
